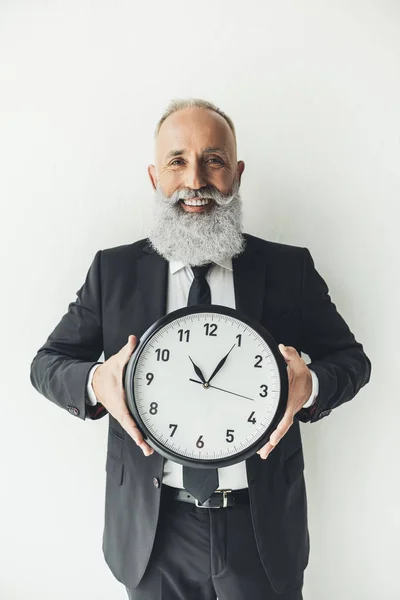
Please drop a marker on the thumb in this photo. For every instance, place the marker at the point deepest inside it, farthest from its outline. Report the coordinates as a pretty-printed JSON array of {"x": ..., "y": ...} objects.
[
  {"x": 129, "y": 347},
  {"x": 288, "y": 353}
]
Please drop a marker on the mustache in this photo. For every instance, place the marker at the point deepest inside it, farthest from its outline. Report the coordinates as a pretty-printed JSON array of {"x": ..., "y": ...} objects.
[{"x": 208, "y": 192}]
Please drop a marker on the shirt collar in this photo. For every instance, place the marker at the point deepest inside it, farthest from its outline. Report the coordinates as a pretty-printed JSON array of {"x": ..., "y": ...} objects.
[{"x": 177, "y": 265}]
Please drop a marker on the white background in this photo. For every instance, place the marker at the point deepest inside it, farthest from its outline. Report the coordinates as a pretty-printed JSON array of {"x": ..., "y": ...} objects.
[{"x": 313, "y": 88}]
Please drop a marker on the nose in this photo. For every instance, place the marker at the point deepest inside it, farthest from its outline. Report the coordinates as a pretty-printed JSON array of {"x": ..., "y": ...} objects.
[{"x": 194, "y": 177}]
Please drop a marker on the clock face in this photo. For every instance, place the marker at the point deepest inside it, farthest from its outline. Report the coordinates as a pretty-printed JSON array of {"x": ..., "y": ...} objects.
[{"x": 206, "y": 387}]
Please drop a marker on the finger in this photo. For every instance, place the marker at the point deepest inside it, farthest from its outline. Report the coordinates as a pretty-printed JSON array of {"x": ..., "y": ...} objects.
[
  {"x": 289, "y": 353},
  {"x": 132, "y": 429},
  {"x": 126, "y": 351},
  {"x": 276, "y": 436}
]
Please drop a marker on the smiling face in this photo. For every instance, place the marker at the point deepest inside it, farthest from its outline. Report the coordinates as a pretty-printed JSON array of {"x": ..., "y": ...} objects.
[
  {"x": 198, "y": 210},
  {"x": 195, "y": 150}
]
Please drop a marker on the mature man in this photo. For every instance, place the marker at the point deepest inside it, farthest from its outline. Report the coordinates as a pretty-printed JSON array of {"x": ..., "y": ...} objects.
[{"x": 156, "y": 544}]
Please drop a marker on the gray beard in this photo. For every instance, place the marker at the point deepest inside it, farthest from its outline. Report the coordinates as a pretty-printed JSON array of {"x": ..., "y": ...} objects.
[{"x": 198, "y": 238}]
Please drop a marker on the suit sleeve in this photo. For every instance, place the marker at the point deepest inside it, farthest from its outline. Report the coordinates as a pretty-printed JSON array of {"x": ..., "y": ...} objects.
[
  {"x": 338, "y": 360},
  {"x": 61, "y": 367}
]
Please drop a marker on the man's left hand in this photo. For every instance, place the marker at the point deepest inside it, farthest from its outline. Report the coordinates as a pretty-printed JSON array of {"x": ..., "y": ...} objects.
[{"x": 300, "y": 387}]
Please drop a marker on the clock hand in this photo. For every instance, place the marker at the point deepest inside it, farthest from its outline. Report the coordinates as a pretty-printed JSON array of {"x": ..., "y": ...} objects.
[
  {"x": 198, "y": 372},
  {"x": 220, "y": 364},
  {"x": 221, "y": 390}
]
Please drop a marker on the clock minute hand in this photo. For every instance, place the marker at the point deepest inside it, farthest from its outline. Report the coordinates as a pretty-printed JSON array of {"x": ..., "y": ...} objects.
[
  {"x": 222, "y": 390},
  {"x": 220, "y": 364},
  {"x": 198, "y": 372}
]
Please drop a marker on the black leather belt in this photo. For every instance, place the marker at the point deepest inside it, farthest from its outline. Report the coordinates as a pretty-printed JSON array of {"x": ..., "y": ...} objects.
[{"x": 220, "y": 499}]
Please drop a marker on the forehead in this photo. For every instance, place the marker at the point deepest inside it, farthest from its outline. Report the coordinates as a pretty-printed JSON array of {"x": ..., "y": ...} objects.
[{"x": 194, "y": 129}]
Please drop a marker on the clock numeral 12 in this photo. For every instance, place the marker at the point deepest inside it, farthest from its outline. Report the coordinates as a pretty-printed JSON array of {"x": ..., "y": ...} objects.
[
  {"x": 183, "y": 334},
  {"x": 211, "y": 328},
  {"x": 229, "y": 435},
  {"x": 174, "y": 428},
  {"x": 200, "y": 443}
]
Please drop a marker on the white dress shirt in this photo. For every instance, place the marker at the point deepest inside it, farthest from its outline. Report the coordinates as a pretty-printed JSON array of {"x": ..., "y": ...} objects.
[{"x": 220, "y": 280}]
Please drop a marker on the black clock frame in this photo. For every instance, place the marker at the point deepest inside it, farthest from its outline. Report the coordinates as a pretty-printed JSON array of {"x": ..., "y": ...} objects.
[{"x": 129, "y": 374}]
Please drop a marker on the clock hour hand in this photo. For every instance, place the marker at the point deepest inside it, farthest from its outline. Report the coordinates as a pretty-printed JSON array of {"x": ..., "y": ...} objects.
[
  {"x": 221, "y": 390},
  {"x": 220, "y": 364},
  {"x": 198, "y": 372}
]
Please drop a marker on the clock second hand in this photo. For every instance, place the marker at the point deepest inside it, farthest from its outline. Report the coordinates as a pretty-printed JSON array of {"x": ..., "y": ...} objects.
[{"x": 221, "y": 390}]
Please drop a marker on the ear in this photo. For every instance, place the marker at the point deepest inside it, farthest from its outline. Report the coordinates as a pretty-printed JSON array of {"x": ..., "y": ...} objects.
[
  {"x": 240, "y": 169},
  {"x": 153, "y": 175}
]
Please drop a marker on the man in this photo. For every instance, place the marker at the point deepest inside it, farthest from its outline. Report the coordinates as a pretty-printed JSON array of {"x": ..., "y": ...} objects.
[{"x": 156, "y": 544}]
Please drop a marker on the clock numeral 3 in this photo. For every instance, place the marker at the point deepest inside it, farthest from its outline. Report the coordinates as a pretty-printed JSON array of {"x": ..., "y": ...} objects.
[
  {"x": 162, "y": 354},
  {"x": 264, "y": 391},
  {"x": 258, "y": 361},
  {"x": 149, "y": 377},
  {"x": 251, "y": 418},
  {"x": 184, "y": 334},
  {"x": 211, "y": 328},
  {"x": 153, "y": 408},
  {"x": 229, "y": 435},
  {"x": 174, "y": 428},
  {"x": 200, "y": 443}
]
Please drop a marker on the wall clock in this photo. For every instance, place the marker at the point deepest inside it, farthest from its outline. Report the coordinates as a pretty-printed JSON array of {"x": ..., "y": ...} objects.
[{"x": 206, "y": 386}]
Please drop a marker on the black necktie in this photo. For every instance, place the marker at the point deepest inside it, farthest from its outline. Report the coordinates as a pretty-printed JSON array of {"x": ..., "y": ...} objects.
[
  {"x": 201, "y": 483},
  {"x": 200, "y": 292}
]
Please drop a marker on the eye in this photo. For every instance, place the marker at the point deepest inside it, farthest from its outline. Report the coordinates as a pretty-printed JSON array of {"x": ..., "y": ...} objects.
[
  {"x": 219, "y": 160},
  {"x": 177, "y": 160}
]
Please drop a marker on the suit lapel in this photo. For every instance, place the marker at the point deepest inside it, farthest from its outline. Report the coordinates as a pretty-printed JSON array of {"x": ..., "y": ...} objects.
[
  {"x": 152, "y": 285},
  {"x": 249, "y": 281}
]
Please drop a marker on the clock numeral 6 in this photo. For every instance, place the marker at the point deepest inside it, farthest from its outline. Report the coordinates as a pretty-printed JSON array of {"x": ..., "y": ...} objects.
[
  {"x": 200, "y": 443},
  {"x": 162, "y": 354},
  {"x": 264, "y": 391},
  {"x": 229, "y": 435},
  {"x": 174, "y": 428},
  {"x": 251, "y": 418},
  {"x": 149, "y": 377},
  {"x": 211, "y": 329},
  {"x": 153, "y": 408}
]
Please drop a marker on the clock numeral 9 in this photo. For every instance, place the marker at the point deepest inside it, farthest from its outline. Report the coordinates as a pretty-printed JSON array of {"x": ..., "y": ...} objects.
[
  {"x": 162, "y": 354},
  {"x": 229, "y": 435},
  {"x": 211, "y": 328},
  {"x": 184, "y": 334},
  {"x": 149, "y": 377},
  {"x": 252, "y": 418},
  {"x": 153, "y": 408},
  {"x": 264, "y": 392},
  {"x": 200, "y": 443},
  {"x": 258, "y": 361},
  {"x": 174, "y": 428}
]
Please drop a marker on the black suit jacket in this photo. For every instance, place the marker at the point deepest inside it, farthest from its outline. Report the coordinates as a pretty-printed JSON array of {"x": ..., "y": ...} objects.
[{"x": 124, "y": 293}]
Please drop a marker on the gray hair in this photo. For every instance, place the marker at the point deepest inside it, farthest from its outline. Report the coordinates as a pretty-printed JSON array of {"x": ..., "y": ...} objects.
[{"x": 181, "y": 103}]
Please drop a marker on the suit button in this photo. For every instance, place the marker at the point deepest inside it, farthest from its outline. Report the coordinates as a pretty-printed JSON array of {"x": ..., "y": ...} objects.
[
  {"x": 156, "y": 482},
  {"x": 73, "y": 410},
  {"x": 324, "y": 413}
]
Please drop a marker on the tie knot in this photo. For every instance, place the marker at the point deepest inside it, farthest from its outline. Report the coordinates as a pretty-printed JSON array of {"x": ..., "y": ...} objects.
[{"x": 200, "y": 272}]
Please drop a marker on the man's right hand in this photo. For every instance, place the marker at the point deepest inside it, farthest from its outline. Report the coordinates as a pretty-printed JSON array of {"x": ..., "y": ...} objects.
[{"x": 108, "y": 387}]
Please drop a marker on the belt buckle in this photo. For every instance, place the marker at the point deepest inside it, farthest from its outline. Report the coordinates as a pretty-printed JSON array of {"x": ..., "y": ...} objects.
[
  {"x": 224, "y": 497},
  {"x": 224, "y": 500}
]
